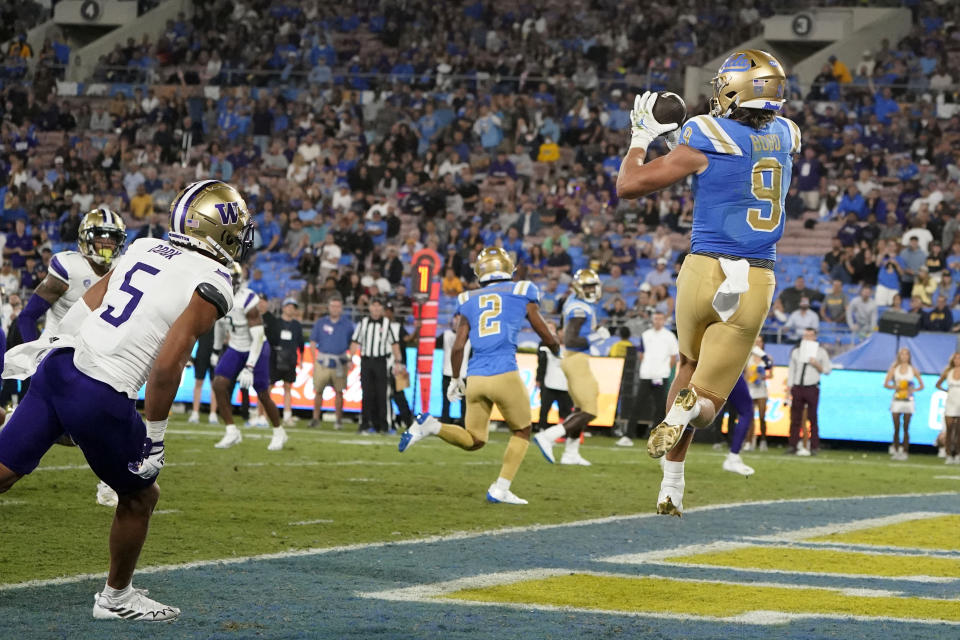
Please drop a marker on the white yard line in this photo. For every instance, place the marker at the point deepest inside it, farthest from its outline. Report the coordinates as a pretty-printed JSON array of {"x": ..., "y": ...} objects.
[
  {"x": 309, "y": 522},
  {"x": 462, "y": 535}
]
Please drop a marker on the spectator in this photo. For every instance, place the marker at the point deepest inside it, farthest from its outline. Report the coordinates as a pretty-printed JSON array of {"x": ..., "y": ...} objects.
[
  {"x": 330, "y": 340},
  {"x": 659, "y": 276},
  {"x": 888, "y": 276},
  {"x": 19, "y": 245},
  {"x": 912, "y": 259},
  {"x": 940, "y": 318},
  {"x": 791, "y": 296},
  {"x": 900, "y": 378},
  {"x": 800, "y": 320},
  {"x": 270, "y": 234},
  {"x": 141, "y": 205},
  {"x": 452, "y": 285},
  {"x": 923, "y": 287},
  {"x": 559, "y": 264},
  {"x": 834, "y": 306},
  {"x": 658, "y": 355},
  {"x": 862, "y": 314}
]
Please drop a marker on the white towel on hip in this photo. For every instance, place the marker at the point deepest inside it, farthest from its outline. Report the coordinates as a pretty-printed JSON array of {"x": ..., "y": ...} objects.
[
  {"x": 22, "y": 361},
  {"x": 727, "y": 299}
]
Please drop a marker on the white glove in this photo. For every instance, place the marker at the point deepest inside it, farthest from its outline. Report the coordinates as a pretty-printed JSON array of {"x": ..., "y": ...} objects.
[
  {"x": 672, "y": 139},
  {"x": 152, "y": 461},
  {"x": 599, "y": 335},
  {"x": 245, "y": 379},
  {"x": 214, "y": 359},
  {"x": 456, "y": 389},
  {"x": 644, "y": 128}
]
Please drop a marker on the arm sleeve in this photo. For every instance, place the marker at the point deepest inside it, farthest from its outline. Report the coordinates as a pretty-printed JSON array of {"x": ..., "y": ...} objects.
[
  {"x": 257, "y": 338},
  {"x": 30, "y": 315},
  {"x": 541, "y": 364},
  {"x": 356, "y": 332}
]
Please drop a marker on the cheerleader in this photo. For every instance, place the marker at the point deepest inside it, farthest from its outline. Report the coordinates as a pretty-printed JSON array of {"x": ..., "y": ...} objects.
[
  {"x": 900, "y": 378},
  {"x": 759, "y": 370},
  {"x": 951, "y": 409}
]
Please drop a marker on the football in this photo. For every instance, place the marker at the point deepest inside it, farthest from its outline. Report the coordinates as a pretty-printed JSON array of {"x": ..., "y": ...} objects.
[{"x": 669, "y": 107}]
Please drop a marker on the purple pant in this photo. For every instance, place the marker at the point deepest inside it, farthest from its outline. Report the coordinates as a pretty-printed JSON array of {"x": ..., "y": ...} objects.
[
  {"x": 740, "y": 400},
  {"x": 102, "y": 421},
  {"x": 231, "y": 363}
]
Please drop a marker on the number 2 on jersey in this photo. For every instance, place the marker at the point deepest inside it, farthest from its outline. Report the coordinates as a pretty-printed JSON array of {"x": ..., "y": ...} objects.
[
  {"x": 770, "y": 167},
  {"x": 491, "y": 306},
  {"x": 135, "y": 295}
]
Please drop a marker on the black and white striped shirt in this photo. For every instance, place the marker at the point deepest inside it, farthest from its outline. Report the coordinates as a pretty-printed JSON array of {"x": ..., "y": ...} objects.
[{"x": 375, "y": 337}]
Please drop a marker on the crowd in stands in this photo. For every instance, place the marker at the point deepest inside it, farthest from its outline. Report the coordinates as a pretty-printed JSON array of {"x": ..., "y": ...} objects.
[{"x": 447, "y": 144}]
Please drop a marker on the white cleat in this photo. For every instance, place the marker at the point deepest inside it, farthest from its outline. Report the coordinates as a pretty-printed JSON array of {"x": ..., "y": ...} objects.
[
  {"x": 545, "y": 445},
  {"x": 942, "y": 452},
  {"x": 624, "y": 442},
  {"x": 213, "y": 419},
  {"x": 278, "y": 440},
  {"x": 423, "y": 425},
  {"x": 734, "y": 463},
  {"x": 670, "y": 500},
  {"x": 136, "y": 606},
  {"x": 289, "y": 421},
  {"x": 105, "y": 495},
  {"x": 802, "y": 451},
  {"x": 230, "y": 438},
  {"x": 891, "y": 449},
  {"x": 505, "y": 496},
  {"x": 762, "y": 446},
  {"x": 194, "y": 418},
  {"x": 574, "y": 458},
  {"x": 748, "y": 446}
]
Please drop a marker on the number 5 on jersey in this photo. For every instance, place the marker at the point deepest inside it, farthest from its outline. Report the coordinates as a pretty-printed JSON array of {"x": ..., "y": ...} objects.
[{"x": 491, "y": 305}]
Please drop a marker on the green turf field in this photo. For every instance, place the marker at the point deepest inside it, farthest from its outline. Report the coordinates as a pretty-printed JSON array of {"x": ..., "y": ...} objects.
[{"x": 334, "y": 488}]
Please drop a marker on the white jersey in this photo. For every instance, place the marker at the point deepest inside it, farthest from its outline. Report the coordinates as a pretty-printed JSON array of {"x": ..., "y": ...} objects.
[
  {"x": 71, "y": 268},
  {"x": 151, "y": 286},
  {"x": 244, "y": 301}
]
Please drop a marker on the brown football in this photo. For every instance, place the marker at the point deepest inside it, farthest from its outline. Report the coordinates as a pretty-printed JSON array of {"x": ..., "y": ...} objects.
[{"x": 669, "y": 107}]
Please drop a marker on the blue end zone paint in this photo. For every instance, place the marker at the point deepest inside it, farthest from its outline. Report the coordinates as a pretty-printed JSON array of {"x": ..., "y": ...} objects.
[{"x": 316, "y": 596}]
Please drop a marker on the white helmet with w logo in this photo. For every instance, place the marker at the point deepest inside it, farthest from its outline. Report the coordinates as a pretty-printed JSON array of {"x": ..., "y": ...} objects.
[{"x": 210, "y": 216}]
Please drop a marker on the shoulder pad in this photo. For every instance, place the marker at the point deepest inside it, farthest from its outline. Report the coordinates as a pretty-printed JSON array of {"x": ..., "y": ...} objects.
[
  {"x": 708, "y": 135},
  {"x": 794, "y": 133},
  {"x": 463, "y": 297},
  {"x": 214, "y": 296},
  {"x": 528, "y": 290},
  {"x": 57, "y": 267}
]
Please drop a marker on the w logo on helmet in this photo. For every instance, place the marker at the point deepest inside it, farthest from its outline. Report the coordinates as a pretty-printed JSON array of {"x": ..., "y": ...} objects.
[{"x": 229, "y": 212}]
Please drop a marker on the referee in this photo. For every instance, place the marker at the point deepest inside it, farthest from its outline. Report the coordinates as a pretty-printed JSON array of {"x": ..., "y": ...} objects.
[{"x": 376, "y": 340}]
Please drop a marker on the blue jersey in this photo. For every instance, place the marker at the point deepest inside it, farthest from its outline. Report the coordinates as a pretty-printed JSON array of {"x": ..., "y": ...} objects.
[
  {"x": 738, "y": 199},
  {"x": 495, "y": 314},
  {"x": 574, "y": 307}
]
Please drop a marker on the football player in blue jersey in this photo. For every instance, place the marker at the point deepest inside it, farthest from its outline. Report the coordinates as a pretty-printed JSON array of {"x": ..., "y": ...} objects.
[
  {"x": 741, "y": 158},
  {"x": 492, "y": 317},
  {"x": 580, "y": 330}
]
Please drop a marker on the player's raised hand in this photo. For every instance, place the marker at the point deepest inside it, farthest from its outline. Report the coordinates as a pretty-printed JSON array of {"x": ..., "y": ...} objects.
[
  {"x": 152, "y": 461},
  {"x": 644, "y": 127}
]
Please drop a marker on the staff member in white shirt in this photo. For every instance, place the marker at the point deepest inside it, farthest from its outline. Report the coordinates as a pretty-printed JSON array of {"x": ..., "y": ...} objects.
[
  {"x": 657, "y": 354},
  {"x": 445, "y": 342},
  {"x": 808, "y": 361},
  {"x": 553, "y": 383}
]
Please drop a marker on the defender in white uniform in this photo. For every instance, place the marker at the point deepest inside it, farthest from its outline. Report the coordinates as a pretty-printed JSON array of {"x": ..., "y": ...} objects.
[
  {"x": 101, "y": 237},
  {"x": 100, "y": 241},
  {"x": 246, "y": 360},
  {"x": 136, "y": 325}
]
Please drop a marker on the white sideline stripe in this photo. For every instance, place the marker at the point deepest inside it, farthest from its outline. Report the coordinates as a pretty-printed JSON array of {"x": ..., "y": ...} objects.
[
  {"x": 294, "y": 463},
  {"x": 163, "y": 512},
  {"x": 460, "y": 535},
  {"x": 946, "y": 477},
  {"x": 306, "y": 522},
  {"x": 11, "y": 503},
  {"x": 427, "y": 593}
]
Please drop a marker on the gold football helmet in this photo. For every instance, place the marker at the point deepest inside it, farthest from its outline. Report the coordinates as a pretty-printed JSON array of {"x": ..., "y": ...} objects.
[
  {"x": 210, "y": 216},
  {"x": 586, "y": 285},
  {"x": 101, "y": 236},
  {"x": 751, "y": 78},
  {"x": 493, "y": 263}
]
